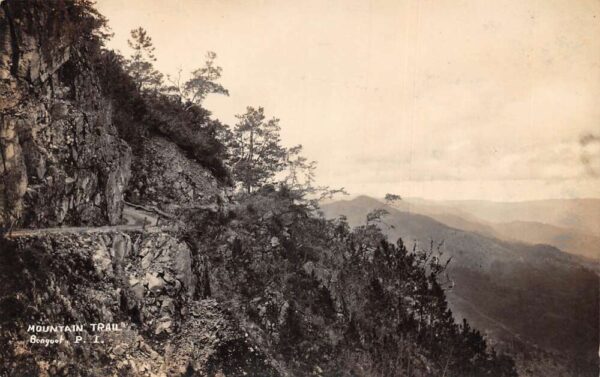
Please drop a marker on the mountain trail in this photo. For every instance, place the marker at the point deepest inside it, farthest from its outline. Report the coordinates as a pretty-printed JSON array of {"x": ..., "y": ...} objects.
[{"x": 134, "y": 220}]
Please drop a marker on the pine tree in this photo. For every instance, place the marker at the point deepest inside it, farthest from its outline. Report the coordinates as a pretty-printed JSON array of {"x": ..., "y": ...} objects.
[
  {"x": 255, "y": 149},
  {"x": 141, "y": 64},
  {"x": 300, "y": 171},
  {"x": 392, "y": 198},
  {"x": 202, "y": 83}
]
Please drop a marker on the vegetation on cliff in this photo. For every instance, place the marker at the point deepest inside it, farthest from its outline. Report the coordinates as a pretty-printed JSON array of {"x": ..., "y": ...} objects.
[
  {"x": 331, "y": 301},
  {"x": 304, "y": 295}
]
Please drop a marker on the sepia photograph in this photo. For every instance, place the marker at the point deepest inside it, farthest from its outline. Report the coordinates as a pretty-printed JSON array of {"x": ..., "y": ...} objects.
[{"x": 280, "y": 188}]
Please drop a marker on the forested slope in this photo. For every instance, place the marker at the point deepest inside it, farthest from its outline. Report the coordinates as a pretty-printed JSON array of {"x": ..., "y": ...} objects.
[
  {"x": 240, "y": 277},
  {"x": 525, "y": 297}
]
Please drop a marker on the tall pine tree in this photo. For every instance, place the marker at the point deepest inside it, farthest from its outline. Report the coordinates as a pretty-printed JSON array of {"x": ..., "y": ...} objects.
[
  {"x": 141, "y": 64},
  {"x": 257, "y": 154}
]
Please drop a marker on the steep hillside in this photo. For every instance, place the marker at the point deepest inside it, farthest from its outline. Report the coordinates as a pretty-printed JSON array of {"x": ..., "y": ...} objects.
[
  {"x": 65, "y": 163},
  {"x": 62, "y": 160},
  {"x": 519, "y": 293},
  {"x": 125, "y": 252},
  {"x": 142, "y": 282}
]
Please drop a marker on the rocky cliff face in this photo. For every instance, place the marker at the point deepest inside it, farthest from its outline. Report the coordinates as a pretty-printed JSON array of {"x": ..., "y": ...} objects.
[
  {"x": 254, "y": 287},
  {"x": 165, "y": 177},
  {"x": 143, "y": 283},
  {"x": 62, "y": 161}
]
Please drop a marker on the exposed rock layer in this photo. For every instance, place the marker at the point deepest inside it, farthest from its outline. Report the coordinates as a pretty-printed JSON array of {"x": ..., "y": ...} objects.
[
  {"x": 62, "y": 161},
  {"x": 257, "y": 288},
  {"x": 144, "y": 283},
  {"x": 164, "y": 176}
]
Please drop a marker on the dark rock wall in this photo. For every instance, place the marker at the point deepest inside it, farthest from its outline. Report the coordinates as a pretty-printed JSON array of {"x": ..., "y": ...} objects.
[
  {"x": 62, "y": 161},
  {"x": 164, "y": 176},
  {"x": 143, "y": 282},
  {"x": 257, "y": 288}
]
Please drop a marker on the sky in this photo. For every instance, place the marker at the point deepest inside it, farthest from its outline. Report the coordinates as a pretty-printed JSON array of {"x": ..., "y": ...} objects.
[{"x": 440, "y": 99}]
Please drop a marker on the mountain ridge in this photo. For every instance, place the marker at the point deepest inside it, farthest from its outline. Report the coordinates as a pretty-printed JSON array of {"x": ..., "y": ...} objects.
[
  {"x": 492, "y": 275},
  {"x": 571, "y": 240},
  {"x": 199, "y": 279}
]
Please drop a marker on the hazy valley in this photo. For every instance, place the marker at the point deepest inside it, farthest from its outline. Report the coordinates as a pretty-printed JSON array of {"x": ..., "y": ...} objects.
[
  {"x": 512, "y": 290},
  {"x": 198, "y": 235}
]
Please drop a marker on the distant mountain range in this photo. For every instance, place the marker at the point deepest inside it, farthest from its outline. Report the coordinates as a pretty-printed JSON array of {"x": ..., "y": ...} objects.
[
  {"x": 570, "y": 225},
  {"x": 580, "y": 214},
  {"x": 524, "y": 296}
]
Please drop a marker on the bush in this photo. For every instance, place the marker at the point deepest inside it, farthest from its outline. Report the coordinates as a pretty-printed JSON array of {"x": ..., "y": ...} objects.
[{"x": 137, "y": 116}]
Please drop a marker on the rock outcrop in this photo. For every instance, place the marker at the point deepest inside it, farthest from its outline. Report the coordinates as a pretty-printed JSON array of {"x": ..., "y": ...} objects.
[
  {"x": 144, "y": 284},
  {"x": 62, "y": 161},
  {"x": 259, "y": 286},
  {"x": 164, "y": 176}
]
